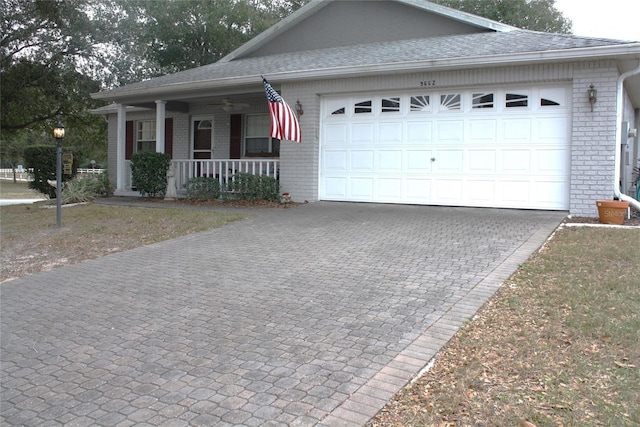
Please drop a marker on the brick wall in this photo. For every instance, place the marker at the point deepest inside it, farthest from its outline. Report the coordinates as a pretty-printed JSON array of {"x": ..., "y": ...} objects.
[{"x": 593, "y": 142}]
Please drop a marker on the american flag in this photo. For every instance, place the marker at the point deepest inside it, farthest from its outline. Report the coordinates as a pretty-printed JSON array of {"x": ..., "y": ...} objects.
[{"x": 284, "y": 123}]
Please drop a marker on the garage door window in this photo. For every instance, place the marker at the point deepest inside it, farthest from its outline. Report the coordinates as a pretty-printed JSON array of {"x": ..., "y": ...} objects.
[
  {"x": 363, "y": 107},
  {"x": 482, "y": 100},
  {"x": 552, "y": 97},
  {"x": 391, "y": 105},
  {"x": 451, "y": 102},
  {"x": 515, "y": 100},
  {"x": 420, "y": 103}
]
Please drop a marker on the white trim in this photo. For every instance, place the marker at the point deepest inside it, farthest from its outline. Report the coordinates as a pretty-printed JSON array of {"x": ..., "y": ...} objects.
[
  {"x": 160, "y": 119},
  {"x": 121, "y": 146}
]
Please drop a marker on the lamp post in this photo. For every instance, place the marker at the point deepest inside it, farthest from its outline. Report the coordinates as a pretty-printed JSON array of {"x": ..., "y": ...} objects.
[{"x": 58, "y": 134}]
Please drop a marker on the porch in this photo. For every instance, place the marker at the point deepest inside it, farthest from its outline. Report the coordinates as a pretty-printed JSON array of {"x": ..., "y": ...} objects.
[{"x": 222, "y": 169}]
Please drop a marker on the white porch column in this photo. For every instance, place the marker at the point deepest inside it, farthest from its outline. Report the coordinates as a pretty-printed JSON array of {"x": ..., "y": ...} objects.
[
  {"x": 160, "y": 116},
  {"x": 121, "y": 147}
]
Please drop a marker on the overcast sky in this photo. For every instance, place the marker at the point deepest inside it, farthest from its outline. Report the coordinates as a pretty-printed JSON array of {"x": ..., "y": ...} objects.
[{"x": 613, "y": 19}]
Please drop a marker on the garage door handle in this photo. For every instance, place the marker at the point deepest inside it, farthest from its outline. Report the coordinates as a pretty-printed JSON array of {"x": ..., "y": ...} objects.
[{"x": 433, "y": 159}]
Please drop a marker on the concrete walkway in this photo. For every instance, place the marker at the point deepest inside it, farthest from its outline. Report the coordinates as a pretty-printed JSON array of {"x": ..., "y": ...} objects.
[{"x": 315, "y": 315}]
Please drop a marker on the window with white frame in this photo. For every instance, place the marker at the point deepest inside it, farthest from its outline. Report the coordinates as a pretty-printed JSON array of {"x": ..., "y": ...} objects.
[
  {"x": 146, "y": 135},
  {"x": 257, "y": 142}
]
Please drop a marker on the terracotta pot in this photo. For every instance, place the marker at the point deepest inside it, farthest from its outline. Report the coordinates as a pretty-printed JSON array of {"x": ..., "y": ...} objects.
[{"x": 612, "y": 211}]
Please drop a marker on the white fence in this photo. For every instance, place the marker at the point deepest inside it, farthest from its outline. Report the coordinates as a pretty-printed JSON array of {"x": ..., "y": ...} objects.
[
  {"x": 223, "y": 169},
  {"x": 25, "y": 174}
]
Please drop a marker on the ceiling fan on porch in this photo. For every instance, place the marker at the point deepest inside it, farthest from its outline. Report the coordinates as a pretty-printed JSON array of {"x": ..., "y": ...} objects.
[{"x": 230, "y": 106}]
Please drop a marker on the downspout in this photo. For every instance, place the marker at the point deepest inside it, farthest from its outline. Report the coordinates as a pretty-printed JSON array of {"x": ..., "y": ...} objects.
[{"x": 619, "y": 106}]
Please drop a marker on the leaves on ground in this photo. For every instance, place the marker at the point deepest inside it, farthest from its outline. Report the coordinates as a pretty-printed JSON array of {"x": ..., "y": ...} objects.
[{"x": 558, "y": 345}]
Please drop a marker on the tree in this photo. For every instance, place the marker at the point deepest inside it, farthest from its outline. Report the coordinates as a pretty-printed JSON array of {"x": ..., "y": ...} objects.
[
  {"x": 48, "y": 60},
  {"x": 536, "y": 15},
  {"x": 176, "y": 35}
]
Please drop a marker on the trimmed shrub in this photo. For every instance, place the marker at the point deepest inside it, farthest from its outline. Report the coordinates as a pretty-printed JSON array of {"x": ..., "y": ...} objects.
[
  {"x": 43, "y": 160},
  {"x": 149, "y": 172},
  {"x": 255, "y": 187},
  {"x": 203, "y": 188}
]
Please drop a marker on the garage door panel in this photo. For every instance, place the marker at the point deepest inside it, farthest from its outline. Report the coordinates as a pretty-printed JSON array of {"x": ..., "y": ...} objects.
[
  {"x": 482, "y": 161},
  {"x": 552, "y": 129},
  {"x": 448, "y": 190},
  {"x": 418, "y": 161},
  {"x": 389, "y": 188},
  {"x": 362, "y": 160},
  {"x": 516, "y": 161},
  {"x": 335, "y": 134},
  {"x": 516, "y": 130},
  {"x": 551, "y": 194},
  {"x": 515, "y": 192},
  {"x": 335, "y": 160},
  {"x": 451, "y": 131},
  {"x": 335, "y": 187},
  {"x": 390, "y": 160},
  {"x": 419, "y": 132},
  {"x": 448, "y": 161},
  {"x": 361, "y": 188},
  {"x": 418, "y": 190},
  {"x": 481, "y": 192},
  {"x": 483, "y": 131},
  {"x": 552, "y": 161},
  {"x": 362, "y": 134},
  {"x": 390, "y": 133}
]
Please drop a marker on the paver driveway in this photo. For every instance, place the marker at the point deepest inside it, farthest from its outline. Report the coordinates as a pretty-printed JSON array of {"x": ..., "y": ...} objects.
[{"x": 307, "y": 316}]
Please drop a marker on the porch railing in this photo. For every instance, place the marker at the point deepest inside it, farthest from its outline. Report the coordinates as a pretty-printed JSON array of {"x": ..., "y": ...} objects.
[{"x": 223, "y": 169}]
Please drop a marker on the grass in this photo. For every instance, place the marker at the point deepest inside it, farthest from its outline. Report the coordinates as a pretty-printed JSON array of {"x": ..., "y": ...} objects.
[
  {"x": 18, "y": 190},
  {"x": 559, "y": 345},
  {"x": 30, "y": 241}
]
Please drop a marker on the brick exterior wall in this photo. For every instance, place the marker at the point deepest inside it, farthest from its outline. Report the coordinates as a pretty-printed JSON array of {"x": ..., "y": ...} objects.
[{"x": 593, "y": 142}]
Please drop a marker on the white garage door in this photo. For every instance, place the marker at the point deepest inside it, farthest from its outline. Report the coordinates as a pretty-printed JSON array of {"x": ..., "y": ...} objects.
[{"x": 499, "y": 148}]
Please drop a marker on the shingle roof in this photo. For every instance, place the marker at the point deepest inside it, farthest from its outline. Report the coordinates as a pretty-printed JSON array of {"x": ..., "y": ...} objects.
[{"x": 481, "y": 47}]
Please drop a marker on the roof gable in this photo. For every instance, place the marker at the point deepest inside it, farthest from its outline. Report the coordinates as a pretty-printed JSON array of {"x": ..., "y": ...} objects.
[{"x": 338, "y": 23}]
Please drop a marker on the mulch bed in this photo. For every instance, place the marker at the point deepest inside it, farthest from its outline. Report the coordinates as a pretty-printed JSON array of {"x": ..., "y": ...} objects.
[
  {"x": 226, "y": 204},
  {"x": 633, "y": 221}
]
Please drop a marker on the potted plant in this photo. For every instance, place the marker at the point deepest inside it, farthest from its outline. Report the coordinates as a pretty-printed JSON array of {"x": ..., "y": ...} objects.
[{"x": 612, "y": 211}]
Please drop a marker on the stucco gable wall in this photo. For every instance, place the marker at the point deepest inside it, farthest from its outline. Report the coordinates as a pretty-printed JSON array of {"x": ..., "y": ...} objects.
[{"x": 344, "y": 23}]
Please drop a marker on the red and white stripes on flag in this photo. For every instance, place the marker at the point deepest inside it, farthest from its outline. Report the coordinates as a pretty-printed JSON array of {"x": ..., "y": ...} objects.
[{"x": 284, "y": 123}]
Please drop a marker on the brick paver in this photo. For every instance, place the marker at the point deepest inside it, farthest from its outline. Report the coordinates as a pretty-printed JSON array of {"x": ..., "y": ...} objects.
[{"x": 308, "y": 316}]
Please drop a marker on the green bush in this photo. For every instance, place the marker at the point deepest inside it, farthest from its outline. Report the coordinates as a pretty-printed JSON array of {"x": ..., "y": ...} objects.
[
  {"x": 149, "y": 172},
  {"x": 255, "y": 187},
  {"x": 203, "y": 188},
  {"x": 86, "y": 188},
  {"x": 43, "y": 160}
]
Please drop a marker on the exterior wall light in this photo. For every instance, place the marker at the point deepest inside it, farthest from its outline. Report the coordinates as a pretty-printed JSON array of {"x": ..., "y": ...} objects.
[
  {"x": 593, "y": 95},
  {"x": 299, "y": 110}
]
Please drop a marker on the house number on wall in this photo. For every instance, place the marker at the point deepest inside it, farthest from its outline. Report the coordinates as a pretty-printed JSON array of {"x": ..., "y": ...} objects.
[{"x": 427, "y": 83}]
